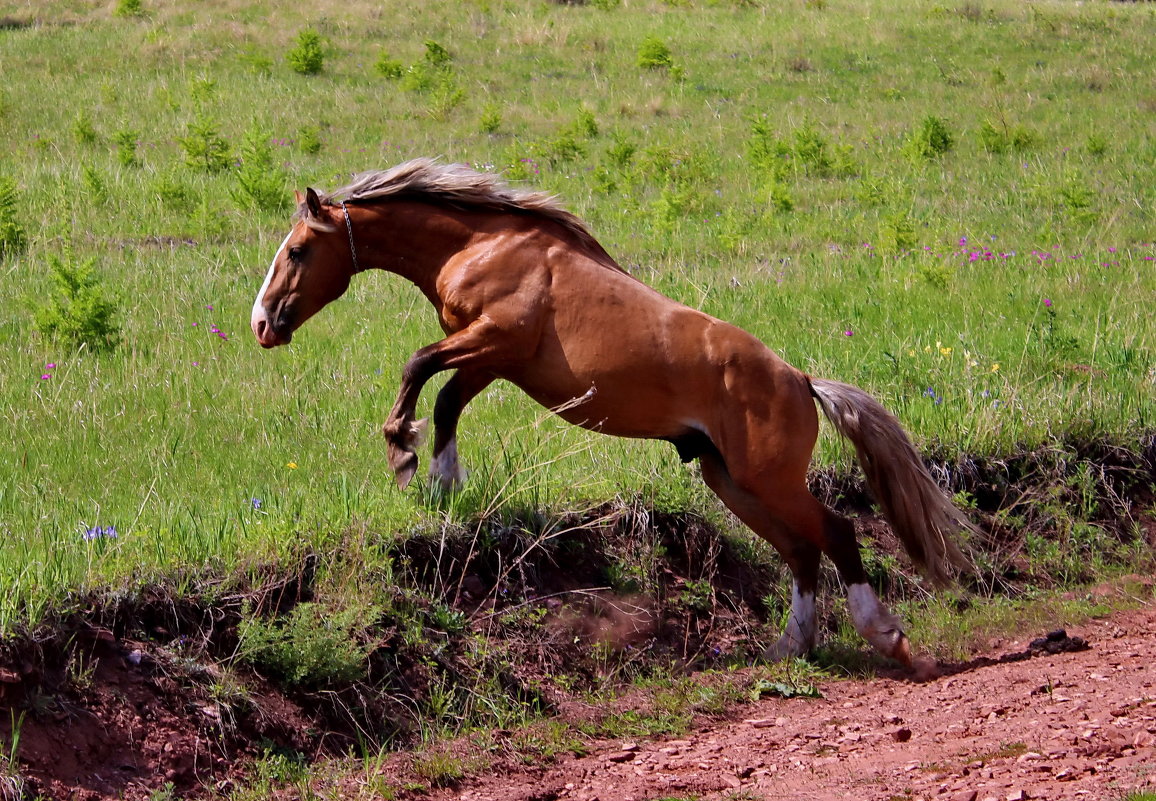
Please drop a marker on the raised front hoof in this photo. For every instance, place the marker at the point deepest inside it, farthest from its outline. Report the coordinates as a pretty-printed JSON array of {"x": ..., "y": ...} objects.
[
  {"x": 786, "y": 648},
  {"x": 403, "y": 463},
  {"x": 404, "y": 437}
]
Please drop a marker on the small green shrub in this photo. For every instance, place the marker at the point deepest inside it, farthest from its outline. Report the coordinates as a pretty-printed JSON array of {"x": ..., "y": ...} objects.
[
  {"x": 653, "y": 54},
  {"x": 621, "y": 151},
  {"x": 896, "y": 234},
  {"x": 129, "y": 8},
  {"x": 766, "y": 150},
  {"x": 387, "y": 67},
  {"x": 586, "y": 125},
  {"x": 260, "y": 182},
  {"x": 437, "y": 55},
  {"x": 1002, "y": 138},
  {"x": 491, "y": 119},
  {"x": 309, "y": 141},
  {"x": 308, "y": 56},
  {"x": 312, "y": 646},
  {"x": 174, "y": 194},
  {"x": 445, "y": 97},
  {"x": 126, "y": 145},
  {"x": 204, "y": 148},
  {"x": 94, "y": 183},
  {"x": 779, "y": 198},
  {"x": 930, "y": 140},
  {"x": 83, "y": 130},
  {"x": 13, "y": 239},
  {"x": 1096, "y": 145},
  {"x": 80, "y": 312}
]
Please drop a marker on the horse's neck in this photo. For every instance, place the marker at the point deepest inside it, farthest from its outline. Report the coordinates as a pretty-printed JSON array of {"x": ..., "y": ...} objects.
[{"x": 413, "y": 240}]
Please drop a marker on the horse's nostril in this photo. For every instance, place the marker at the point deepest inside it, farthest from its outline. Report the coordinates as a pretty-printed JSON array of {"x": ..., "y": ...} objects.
[{"x": 261, "y": 326}]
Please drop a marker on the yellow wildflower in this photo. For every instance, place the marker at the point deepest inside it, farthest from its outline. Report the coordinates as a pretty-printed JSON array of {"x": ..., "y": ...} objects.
[{"x": 291, "y": 465}]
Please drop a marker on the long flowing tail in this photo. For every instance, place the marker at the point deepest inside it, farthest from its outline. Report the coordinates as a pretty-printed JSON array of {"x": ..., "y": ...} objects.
[{"x": 920, "y": 513}]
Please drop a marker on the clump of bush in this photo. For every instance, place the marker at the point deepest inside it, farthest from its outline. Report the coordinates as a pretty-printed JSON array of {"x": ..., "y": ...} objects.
[
  {"x": 653, "y": 54},
  {"x": 308, "y": 56},
  {"x": 13, "y": 239},
  {"x": 79, "y": 312},
  {"x": 312, "y": 646},
  {"x": 204, "y": 147},
  {"x": 930, "y": 140},
  {"x": 260, "y": 182}
]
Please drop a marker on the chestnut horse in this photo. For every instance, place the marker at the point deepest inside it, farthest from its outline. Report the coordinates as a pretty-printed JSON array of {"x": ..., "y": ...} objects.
[{"x": 525, "y": 294}]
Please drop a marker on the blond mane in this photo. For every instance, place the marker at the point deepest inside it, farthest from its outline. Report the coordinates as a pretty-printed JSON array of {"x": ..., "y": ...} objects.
[{"x": 458, "y": 185}]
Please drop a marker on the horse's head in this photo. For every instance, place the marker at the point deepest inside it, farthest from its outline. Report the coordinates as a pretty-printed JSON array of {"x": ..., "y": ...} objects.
[{"x": 312, "y": 268}]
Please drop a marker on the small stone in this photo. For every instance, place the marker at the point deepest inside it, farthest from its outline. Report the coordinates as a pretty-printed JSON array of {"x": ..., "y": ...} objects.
[
  {"x": 965, "y": 795},
  {"x": 901, "y": 735},
  {"x": 620, "y": 756},
  {"x": 1018, "y": 795}
]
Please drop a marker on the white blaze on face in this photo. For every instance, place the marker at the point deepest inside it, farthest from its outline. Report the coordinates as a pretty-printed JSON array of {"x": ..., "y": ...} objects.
[{"x": 259, "y": 312}]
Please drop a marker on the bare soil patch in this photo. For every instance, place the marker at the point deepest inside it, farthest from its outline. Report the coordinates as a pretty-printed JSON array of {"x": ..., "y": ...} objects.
[{"x": 1010, "y": 725}]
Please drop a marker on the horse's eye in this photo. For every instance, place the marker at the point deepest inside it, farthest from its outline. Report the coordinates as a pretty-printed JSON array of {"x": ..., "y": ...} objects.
[{"x": 295, "y": 253}]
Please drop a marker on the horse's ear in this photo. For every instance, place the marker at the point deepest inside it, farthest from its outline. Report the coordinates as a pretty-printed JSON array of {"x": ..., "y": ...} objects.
[
  {"x": 298, "y": 198},
  {"x": 313, "y": 203}
]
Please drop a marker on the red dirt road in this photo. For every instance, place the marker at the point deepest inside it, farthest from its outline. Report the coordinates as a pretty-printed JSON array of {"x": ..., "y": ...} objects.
[{"x": 1065, "y": 726}]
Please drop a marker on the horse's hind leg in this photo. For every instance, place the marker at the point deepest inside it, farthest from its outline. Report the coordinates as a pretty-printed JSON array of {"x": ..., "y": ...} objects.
[
  {"x": 801, "y": 528},
  {"x": 462, "y": 387},
  {"x": 871, "y": 618},
  {"x": 800, "y": 554}
]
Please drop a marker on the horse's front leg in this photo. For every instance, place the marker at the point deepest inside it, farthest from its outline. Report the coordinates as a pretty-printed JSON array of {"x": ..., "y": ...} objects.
[
  {"x": 468, "y": 349},
  {"x": 463, "y": 387}
]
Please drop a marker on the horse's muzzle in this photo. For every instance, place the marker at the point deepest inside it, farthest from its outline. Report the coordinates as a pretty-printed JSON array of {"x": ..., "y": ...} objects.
[{"x": 267, "y": 334}]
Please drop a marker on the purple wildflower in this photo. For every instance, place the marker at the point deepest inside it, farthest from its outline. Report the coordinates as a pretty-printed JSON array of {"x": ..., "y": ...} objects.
[{"x": 99, "y": 533}]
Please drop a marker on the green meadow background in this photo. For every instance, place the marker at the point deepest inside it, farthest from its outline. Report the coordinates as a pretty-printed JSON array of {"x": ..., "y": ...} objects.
[{"x": 950, "y": 204}]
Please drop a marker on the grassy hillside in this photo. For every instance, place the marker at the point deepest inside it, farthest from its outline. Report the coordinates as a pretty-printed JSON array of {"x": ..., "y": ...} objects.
[{"x": 950, "y": 204}]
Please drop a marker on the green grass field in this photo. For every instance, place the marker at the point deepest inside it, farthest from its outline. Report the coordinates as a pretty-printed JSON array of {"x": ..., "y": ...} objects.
[{"x": 949, "y": 204}]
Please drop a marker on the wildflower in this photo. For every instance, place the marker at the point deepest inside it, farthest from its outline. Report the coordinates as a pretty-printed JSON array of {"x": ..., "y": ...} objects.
[
  {"x": 46, "y": 376},
  {"x": 99, "y": 533},
  {"x": 848, "y": 333},
  {"x": 50, "y": 366},
  {"x": 1048, "y": 302},
  {"x": 995, "y": 367},
  {"x": 911, "y": 351},
  {"x": 210, "y": 308},
  {"x": 256, "y": 503},
  {"x": 930, "y": 393},
  {"x": 291, "y": 465}
]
